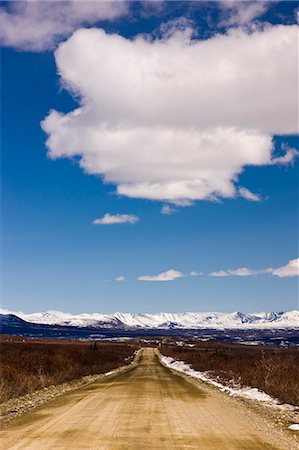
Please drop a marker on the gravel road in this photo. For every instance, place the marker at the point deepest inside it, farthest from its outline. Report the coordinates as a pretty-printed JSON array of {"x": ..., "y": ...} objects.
[{"x": 146, "y": 407}]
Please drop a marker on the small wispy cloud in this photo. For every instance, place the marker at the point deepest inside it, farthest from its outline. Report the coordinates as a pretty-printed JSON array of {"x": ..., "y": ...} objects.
[
  {"x": 39, "y": 25},
  {"x": 111, "y": 219},
  {"x": 245, "y": 272},
  {"x": 246, "y": 193},
  {"x": 239, "y": 13},
  {"x": 219, "y": 273},
  {"x": 240, "y": 272},
  {"x": 180, "y": 26},
  {"x": 289, "y": 270},
  {"x": 287, "y": 158},
  {"x": 169, "y": 275},
  {"x": 168, "y": 210},
  {"x": 195, "y": 274},
  {"x": 120, "y": 278}
]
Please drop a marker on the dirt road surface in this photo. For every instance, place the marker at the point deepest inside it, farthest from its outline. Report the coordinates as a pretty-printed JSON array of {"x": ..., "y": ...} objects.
[{"x": 146, "y": 407}]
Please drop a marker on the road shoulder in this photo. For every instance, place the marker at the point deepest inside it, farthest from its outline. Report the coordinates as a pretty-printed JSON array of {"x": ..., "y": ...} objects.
[{"x": 270, "y": 420}]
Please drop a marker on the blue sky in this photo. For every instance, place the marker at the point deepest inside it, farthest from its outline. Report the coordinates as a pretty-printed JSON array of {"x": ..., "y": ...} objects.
[{"x": 54, "y": 257}]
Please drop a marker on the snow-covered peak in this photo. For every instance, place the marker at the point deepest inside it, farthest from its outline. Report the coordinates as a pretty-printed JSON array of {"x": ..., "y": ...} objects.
[{"x": 185, "y": 320}]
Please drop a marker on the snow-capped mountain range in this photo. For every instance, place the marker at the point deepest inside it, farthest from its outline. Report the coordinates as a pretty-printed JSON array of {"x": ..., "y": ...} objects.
[{"x": 186, "y": 320}]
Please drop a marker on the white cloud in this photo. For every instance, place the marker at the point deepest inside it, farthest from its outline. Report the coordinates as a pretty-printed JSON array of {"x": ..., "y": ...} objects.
[
  {"x": 111, "y": 219},
  {"x": 167, "y": 210},
  {"x": 162, "y": 128},
  {"x": 120, "y": 278},
  {"x": 249, "y": 195},
  {"x": 219, "y": 273},
  {"x": 291, "y": 269},
  {"x": 169, "y": 275},
  {"x": 287, "y": 158},
  {"x": 240, "y": 272},
  {"x": 243, "y": 272},
  {"x": 195, "y": 274},
  {"x": 150, "y": 8},
  {"x": 40, "y": 25},
  {"x": 236, "y": 12},
  {"x": 181, "y": 25}
]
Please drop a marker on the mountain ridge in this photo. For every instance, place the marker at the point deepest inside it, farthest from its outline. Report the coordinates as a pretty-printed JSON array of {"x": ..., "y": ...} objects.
[{"x": 185, "y": 320}]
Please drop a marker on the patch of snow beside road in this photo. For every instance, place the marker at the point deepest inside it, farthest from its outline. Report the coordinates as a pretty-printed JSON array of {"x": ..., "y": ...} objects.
[{"x": 236, "y": 391}]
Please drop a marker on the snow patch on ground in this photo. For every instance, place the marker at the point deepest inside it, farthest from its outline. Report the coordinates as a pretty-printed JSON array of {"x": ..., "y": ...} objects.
[{"x": 236, "y": 391}]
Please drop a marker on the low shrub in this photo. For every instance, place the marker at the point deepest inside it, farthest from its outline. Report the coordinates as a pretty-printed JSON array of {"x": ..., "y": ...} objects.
[
  {"x": 30, "y": 365},
  {"x": 272, "y": 370}
]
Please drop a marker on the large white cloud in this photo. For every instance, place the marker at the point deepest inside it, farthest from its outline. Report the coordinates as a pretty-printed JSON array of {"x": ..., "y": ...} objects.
[{"x": 173, "y": 119}]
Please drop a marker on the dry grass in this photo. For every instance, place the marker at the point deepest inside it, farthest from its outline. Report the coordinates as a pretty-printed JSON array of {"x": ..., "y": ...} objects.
[
  {"x": 272, "y": 370},
  {"x": 32, "y": 364}
]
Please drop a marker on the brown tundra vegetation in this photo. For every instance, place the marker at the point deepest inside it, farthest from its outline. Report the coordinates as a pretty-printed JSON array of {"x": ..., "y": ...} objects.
[
  {"x": 28, "y": 365},
  {"x": 271, "y": 369}
]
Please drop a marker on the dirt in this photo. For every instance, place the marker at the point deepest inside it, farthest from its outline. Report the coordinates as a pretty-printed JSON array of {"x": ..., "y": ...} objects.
[{"x": 147, "y": 406}]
